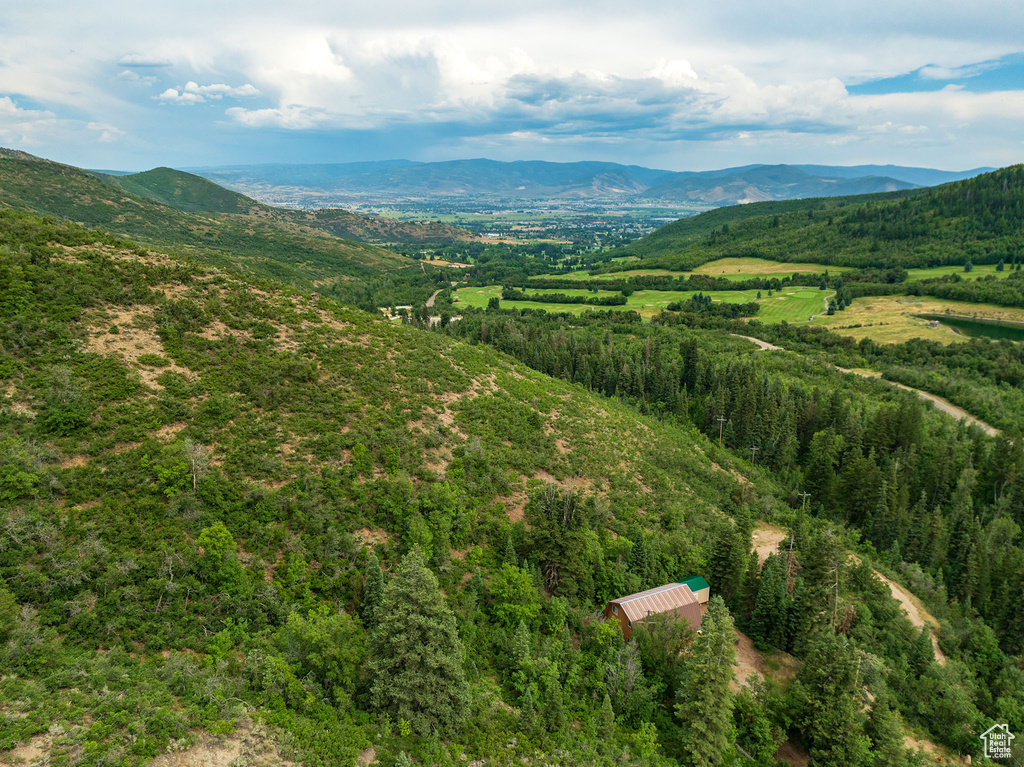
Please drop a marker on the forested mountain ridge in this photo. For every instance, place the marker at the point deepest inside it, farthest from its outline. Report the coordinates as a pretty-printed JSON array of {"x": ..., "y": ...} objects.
[
  {"x": 198, "y": 219},
  {"x": 978, "y": 219},
  {"x": 188, "y": 192}
]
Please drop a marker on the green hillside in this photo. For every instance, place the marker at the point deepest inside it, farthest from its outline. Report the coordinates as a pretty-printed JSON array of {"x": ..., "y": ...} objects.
[
  {"x": 169, "y": 209},
  {"x": 184, "y": 191},
  {"x": 225, "y": 456},
  {"x": 241, "y": 522},
  {"x": 260, "y": 245},
  {"x": 977, "y": 219},
  {"x": 187, "y": 192},
  {"x": 226, "y": 505}
]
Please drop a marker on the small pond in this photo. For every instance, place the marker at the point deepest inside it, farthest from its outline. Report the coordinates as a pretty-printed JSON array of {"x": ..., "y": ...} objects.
[{"x": 973, "y": 328}]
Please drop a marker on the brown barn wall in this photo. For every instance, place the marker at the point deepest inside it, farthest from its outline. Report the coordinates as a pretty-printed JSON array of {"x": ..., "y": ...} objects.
[{"x": 627, "y": 630}]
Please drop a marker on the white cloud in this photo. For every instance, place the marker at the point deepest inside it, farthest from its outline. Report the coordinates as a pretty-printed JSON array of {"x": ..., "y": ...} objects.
[
  {"x": 932, "y": 72},
  {"x": 653, "y": 72},
  {"x": 193, "y": 93},
  {"x": 108, "y": 133},
  {"x": 143, "y": 60},
  {"x": 135, "y": 78},
  {"x": 288, "y": 117},
  {"x": 25, "y": 127}
]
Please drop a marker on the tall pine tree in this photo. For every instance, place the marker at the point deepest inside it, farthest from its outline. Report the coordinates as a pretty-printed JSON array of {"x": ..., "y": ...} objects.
[
  {"x": 373, "y": 592},
  {"x": 704, "y": 706},
  {"x": 416, "y": 653}
]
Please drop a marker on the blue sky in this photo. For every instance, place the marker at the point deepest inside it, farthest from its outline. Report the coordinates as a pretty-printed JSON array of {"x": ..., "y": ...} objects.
[{"x": 675, "y": 85}]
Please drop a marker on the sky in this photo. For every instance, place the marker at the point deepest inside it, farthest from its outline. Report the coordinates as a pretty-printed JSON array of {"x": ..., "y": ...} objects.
[{"x": 679, "y": 85}]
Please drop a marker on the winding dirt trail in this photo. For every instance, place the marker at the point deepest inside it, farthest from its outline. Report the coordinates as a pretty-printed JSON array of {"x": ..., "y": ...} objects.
[
  {"x": 941, "y": 403},
  {"x": 766, "y": 539},
  {"x": 430, "y": 301},
  {"x": 916, "y": 613},
  {"x": 763, "y": 344}
]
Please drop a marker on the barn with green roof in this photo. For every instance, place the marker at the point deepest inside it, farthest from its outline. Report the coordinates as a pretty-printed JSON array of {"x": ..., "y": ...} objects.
[{"x": 699, "y": 587}]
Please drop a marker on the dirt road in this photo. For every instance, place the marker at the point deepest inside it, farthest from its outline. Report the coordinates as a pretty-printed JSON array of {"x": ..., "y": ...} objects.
[
  {"x": 941, "y": 403},
  {"x": 916, "y": 613},
  {"x": 766, "y": 539},
  {"x": 763, "y": 344}
]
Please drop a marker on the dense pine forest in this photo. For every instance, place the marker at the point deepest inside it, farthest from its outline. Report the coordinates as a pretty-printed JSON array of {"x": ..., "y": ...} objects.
[
  {"x": 976, "y": 219},
  {"x": 239, "y": 517}
]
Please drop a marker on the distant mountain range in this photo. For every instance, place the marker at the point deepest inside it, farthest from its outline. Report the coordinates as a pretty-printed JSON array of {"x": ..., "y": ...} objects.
[{"x": 581, "y": 180}]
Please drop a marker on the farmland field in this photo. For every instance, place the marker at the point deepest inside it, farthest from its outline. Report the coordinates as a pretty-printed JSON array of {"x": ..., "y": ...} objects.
[
  {"x": 985, "y": 270},
  {"x": 889, "y": 319},
  {"x": 745, "y": 268},
  {"x": 735, "y": 269},
  {"x": 792, "y": 306}
]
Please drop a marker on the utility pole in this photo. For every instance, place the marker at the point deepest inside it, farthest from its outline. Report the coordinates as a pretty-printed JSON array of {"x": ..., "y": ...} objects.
[
  {"x": 721, "y": 423},
  {"x": 804, "y": 494},
  {"x": 753, "y": 454}
]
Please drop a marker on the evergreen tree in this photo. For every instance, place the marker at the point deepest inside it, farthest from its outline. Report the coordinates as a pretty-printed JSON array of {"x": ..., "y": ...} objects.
[
  {"x": 704, "y": 705},
  {"x": 638, "y": 560},
  {"x": 828, "y": 694},
  {"x": 768, "y": 621},
  {"x": 527, "y": 711},
  {"x": 923, "y": 653},
  {"x": 416, "y": 653},
  {"x": 373, "y": 592},
  {"x": 509, "y": 554},
  {"x": 751, "y": 585},
  {"x": 883, "y": 727}
]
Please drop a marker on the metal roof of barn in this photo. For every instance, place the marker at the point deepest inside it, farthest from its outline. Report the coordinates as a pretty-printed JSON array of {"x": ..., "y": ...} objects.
[
  {"x": 696, "y": 583},
  {"x": 661, "y": 599}
]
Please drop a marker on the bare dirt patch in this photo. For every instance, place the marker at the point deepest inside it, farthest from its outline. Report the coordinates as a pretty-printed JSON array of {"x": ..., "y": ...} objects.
[
  {"x": 932, "y": 751},
  {"x": 170, "y": 430},
  {"x": 74, "y": 461},
  {"x": 136, "y": 336},
  {"x": 749, "y": 662},
  {"x": 37, "y": 748},
  {"x": 249, "y": 745},
  {"x": 792, "y": 753},
  {"x": 766, "y": 539},
  {"x": 371, "y": 537}
]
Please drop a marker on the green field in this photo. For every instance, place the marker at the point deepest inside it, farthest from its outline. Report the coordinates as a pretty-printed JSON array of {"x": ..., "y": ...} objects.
[
  {"x": 746, "y": 268},
  {"x": 738, "y": 269},
  {"x": 585, "y": 275},
  {"x": 797, "y": 305},
  {"x": 985, "y": 270},
  {"x": 735, "y": 269},
  {"x": 790, "y": 306}
]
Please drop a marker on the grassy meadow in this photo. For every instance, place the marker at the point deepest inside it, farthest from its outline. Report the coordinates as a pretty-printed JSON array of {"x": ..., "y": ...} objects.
[
  {"x": 983, "y": 270},
  {"x": 796, "y": 305},
  {"x": 890, "y": 319},
  {"x": 736, "y": 269},
  {"x": 746, "y": 268},
  {"x": 885, "y": 319}
]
